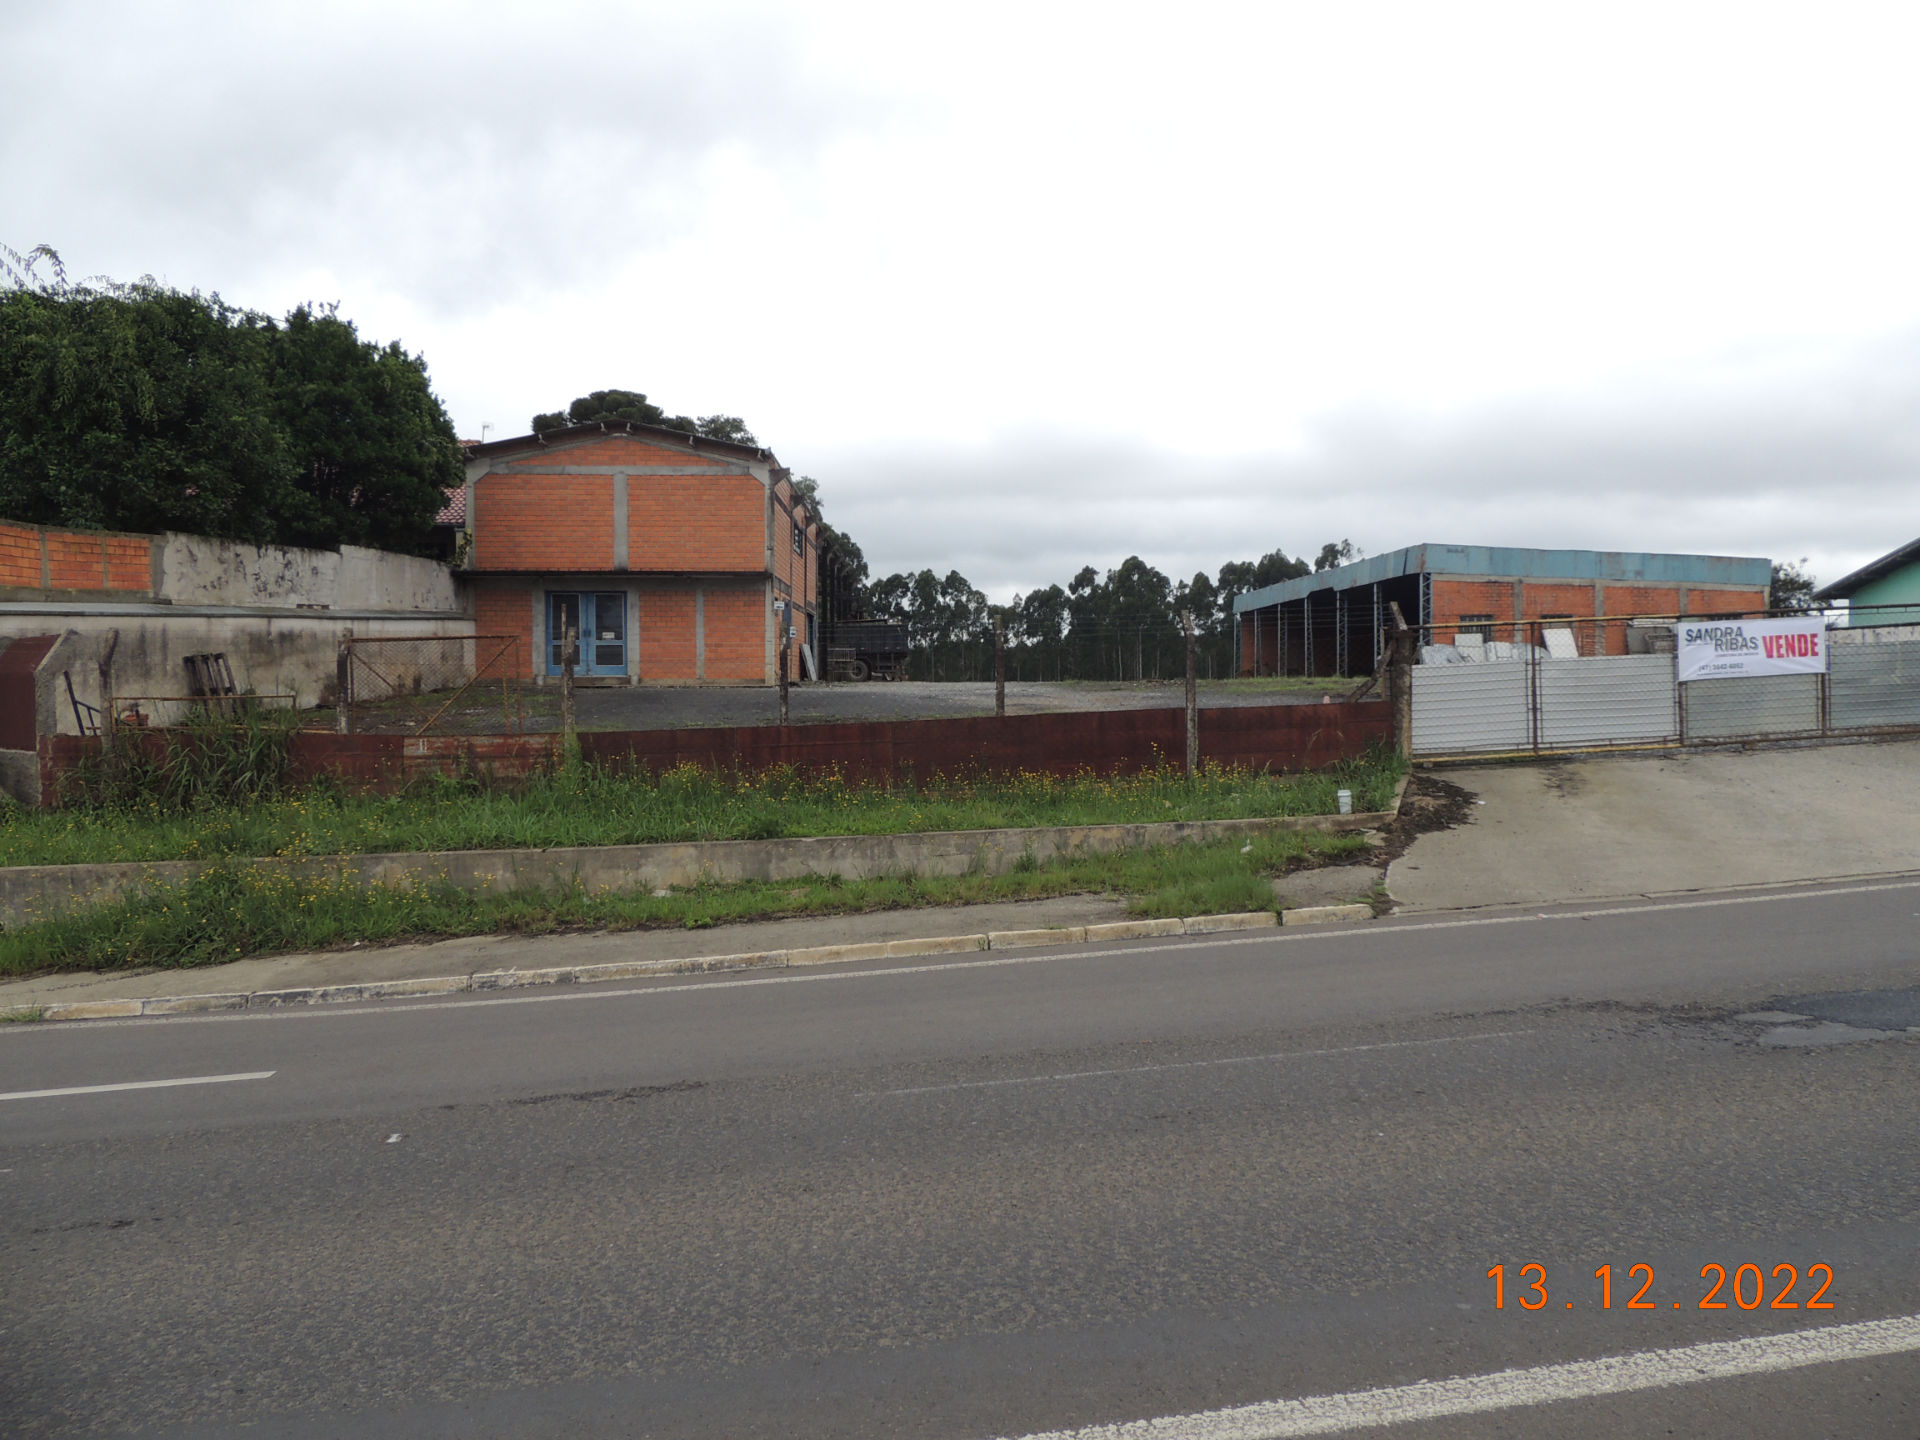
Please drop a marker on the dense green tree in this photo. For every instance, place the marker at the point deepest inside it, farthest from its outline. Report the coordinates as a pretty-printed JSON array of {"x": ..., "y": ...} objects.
[
  {"x": 374, "y": 452},
  {"x": 134, "y": 407},
  {"x": 143, "y": 408},
  {"x": 1335, "y": 553},
  {"x": 615, "y": 406},
  {"x": 1792, "y": 586}
]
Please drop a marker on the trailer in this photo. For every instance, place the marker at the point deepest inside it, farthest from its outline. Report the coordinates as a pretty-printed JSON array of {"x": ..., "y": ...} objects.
[{"x": 864, "y": 649}]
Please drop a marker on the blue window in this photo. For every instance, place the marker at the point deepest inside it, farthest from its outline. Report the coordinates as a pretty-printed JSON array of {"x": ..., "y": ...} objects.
[{"x": 600, "y": 617}]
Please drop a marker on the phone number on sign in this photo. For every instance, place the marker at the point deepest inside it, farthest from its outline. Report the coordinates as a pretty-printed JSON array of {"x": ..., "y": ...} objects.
[{"x": 1746, "y": 1288}]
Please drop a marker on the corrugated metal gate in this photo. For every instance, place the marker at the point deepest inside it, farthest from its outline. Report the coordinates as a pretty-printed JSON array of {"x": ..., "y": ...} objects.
[
  {"x": 1537, "y": 698},
  {"x": 1540, "y": 703},
  {"x": 1874, "y": 682}
]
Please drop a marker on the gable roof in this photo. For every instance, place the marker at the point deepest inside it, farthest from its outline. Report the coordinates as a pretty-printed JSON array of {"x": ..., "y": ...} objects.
[
  {"x": 541, "y": 438},
  {"x": 1846, "y": 585}
]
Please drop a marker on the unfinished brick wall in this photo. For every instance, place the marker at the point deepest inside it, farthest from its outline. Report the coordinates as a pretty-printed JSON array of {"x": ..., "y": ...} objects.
[
  {"x": 737, "y": 634},
  {"x": 509, "y": 612},
  {"x": 35, "y": 558},
  {"x": 1720, "y": 602},
  {"x": 666, "y": 635},
  {"x": 20, "y": 556},
  {"x": 696, "y": 522},
  {"x": 1455, "y": 600},
  {"x": 543, "y": 522}
]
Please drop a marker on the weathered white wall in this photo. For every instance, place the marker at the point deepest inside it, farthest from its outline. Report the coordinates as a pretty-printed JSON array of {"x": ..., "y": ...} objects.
[
  {"x": 381, "y": 580},
  {"x": 195, "y": 570}
]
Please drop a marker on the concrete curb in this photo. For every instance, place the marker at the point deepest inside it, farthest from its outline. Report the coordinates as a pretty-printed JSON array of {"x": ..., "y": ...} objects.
[
  {"x": 1325, "y": 914},
  {"x": 489, "y": 980},
  {"x": 29, "y": 892}
]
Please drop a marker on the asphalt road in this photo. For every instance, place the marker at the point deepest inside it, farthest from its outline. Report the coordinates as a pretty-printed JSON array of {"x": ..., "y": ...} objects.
[{"x": 996, "y": 1196}]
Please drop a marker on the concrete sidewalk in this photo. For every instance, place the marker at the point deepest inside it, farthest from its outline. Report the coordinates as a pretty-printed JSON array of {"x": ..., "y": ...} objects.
[
  {"x": 366, "y": 963},
  {"x": 1590, "y": 829}
]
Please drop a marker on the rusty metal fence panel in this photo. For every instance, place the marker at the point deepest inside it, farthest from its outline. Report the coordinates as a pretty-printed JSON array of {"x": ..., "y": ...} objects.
[
  {"x": 431, "y": 685},
  {"x": 1604, "y": 700},
  {"x": 1874, "y": 681}
]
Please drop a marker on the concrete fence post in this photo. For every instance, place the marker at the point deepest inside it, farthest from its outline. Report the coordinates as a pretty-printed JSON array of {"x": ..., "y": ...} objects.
[
  {"x": 1000, "y": 665},
  {"x": 1193, "y": 697},
  {"x": 1405, "y": 643},
  {"x": 343, "y": 687}
]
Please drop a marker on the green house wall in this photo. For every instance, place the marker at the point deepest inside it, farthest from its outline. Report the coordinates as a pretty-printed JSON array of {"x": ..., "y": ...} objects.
[{"x": 1902, "y": 587}]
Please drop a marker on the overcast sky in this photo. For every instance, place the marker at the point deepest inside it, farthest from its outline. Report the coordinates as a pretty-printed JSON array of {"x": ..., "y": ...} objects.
[{"x": 1030, "y": 287}]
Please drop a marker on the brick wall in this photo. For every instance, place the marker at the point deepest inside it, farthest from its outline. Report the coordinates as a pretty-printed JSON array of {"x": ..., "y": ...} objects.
[
  {"x": 509, "y": 612},
  {"x": 543, "y": 522},
  {"x": 696, "y": 522},
  {"x": 33, "y": 558},
  {"x": 76, "y": 561},
  {"x": 20, "y": 556},
  {"x": 1716, "y": 602},
  {"x": 129, "y": 563},
  {"x": 736, "y": 634},
  {"x": 1453, "y": 600},
  {"x": 666, "y": 635}
]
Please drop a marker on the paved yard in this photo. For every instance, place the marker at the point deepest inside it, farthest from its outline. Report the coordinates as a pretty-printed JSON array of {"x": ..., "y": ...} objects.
[
  {"x": 1657, "y": 824},
  {"x": 650, "y": 708}
]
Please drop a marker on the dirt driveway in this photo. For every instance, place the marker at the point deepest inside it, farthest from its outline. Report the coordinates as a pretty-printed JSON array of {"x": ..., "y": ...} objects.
[{"x": 1658, "y": 824}]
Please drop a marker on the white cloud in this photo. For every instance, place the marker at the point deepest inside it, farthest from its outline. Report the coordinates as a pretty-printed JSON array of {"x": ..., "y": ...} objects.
[{"x": 1031, "y": 285}]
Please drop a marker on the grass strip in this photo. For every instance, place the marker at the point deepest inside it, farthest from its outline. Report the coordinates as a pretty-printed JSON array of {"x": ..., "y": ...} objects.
[
  {"x": 234, "y": 910},
  {"x": 588, "y": 805}
]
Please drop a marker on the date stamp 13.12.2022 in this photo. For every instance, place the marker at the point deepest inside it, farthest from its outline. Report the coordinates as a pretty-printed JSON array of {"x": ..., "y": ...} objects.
[{"x": 1744, "y": 1287}]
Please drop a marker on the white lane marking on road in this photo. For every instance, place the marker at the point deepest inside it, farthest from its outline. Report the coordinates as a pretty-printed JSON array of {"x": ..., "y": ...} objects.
[
  {"x": 1187, "y": 1064},
  {"x": 562, "y": 995},
  {"x": 136, "y": 1085},
  {"x": 1512, "y": 1389}
]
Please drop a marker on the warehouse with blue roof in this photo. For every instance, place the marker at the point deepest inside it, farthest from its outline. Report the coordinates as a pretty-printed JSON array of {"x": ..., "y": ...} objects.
[{"x": 1330, "y": 623}]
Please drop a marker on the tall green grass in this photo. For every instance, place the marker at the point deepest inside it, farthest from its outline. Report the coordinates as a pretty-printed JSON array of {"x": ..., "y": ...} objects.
[
  {"x": 234, "y": 910},
  {"x": 183, "y": 815},
  {"x": 210, "y": 761}
]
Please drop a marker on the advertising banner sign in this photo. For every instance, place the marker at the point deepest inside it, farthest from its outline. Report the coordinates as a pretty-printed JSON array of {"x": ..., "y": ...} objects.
[{"x": 1719, "y": 649}]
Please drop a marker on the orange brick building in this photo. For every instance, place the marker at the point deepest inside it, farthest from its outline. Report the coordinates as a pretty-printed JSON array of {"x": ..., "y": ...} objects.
[
  {"x": 673, "y": 554},
  {"x": 1329, "y": 623}
]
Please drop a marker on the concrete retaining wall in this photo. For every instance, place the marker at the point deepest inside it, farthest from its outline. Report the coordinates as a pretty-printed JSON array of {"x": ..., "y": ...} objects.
[
  {"x": 144, "y": 650},
  {"x": 29, "y": 892}
]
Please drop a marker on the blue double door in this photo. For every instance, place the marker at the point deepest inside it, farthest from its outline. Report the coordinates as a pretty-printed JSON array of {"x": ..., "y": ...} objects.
[{"x": 600, "y": 618}]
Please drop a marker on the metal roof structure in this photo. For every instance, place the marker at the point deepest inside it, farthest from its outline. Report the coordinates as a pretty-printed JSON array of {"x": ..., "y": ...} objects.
[
  {"x": 1846, "y": 585},
  {"x": 1497, "y": 562}
]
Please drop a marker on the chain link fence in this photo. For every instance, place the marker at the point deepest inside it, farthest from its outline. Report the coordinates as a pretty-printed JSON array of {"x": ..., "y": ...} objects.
[
  {"x": 1484, "y": 687},
  {"x": 431, "y": 685}
]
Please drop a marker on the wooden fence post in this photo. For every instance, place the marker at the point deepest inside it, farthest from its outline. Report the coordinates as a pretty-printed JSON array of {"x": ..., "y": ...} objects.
[
  {"x": 569, "y": 656},
  {"x": 781, "y": 612}
]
